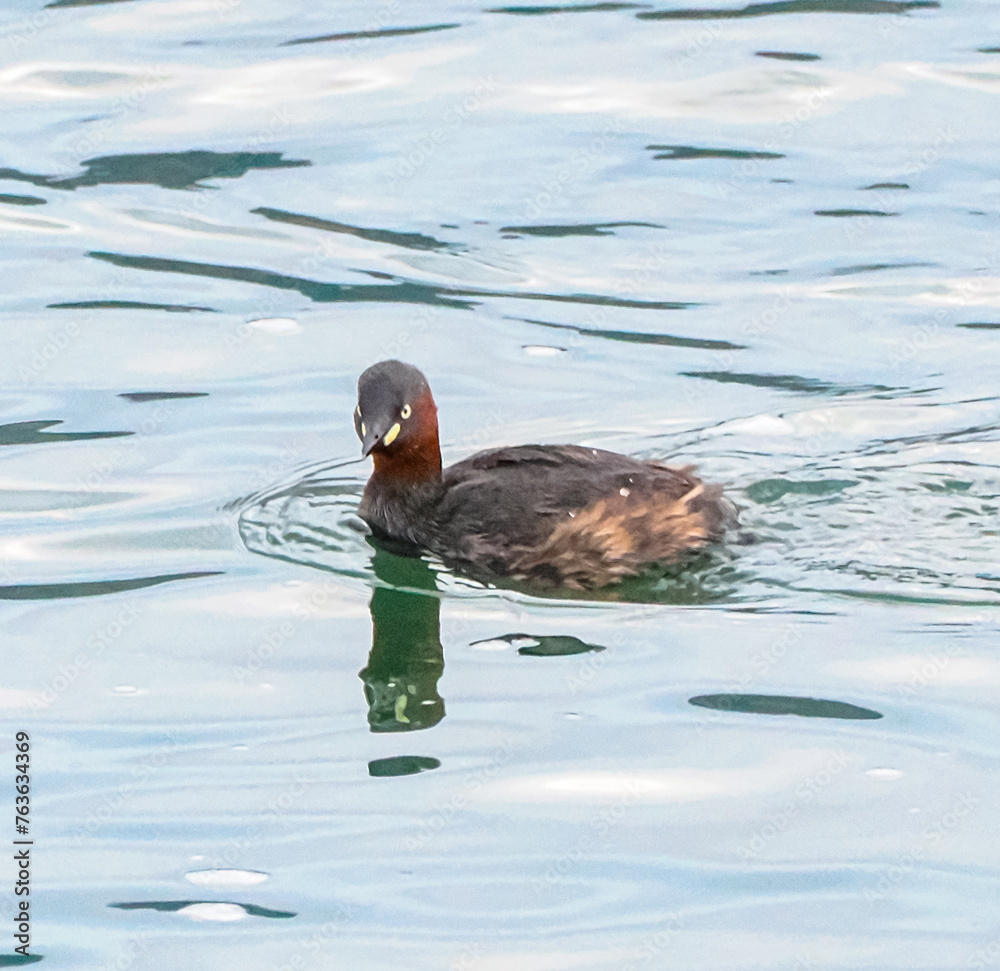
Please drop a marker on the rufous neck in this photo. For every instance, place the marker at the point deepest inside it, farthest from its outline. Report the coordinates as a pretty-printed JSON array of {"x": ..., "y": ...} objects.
[
  {"x": 418, "y": 458},
  {"x": 415, "y": 462}
]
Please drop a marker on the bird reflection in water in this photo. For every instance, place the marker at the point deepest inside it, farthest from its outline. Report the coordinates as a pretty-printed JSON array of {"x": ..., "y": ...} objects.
[{"x": 406, "y": 659}]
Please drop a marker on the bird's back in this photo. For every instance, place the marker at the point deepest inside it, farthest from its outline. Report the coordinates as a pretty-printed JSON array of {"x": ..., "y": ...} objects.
[{"x": 568, "y": 515}]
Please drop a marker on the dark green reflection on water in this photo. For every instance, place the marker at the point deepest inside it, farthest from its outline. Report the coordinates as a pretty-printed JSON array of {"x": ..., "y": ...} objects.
[
  {"x": 770, "y": 490},
  {"x": 638, "y": 337},
  {"x": 787, "y": 382},
  {"x": 788, "y": 56},
  {"x": 34, "y": 433},
  {"x": 415, "y": 241},
  {"x": 170, "y": 170},
  {"x": 22, "y": 201},
  {"x": 873, "y": 268},
  {"x": 568, "y": 8},
  {"x": 548, "y": 645},
  {"x": 583, "y": 229},
  {"x": 93, "y": 588},
  {"x": 170, "y": 906},
  {"x": 784, "y": 705},
  {"x": 372, "y": 34},
  {"x": 16, "y": 960},
  {"x": 140, "y": 397},
  {"x": 793, "y": 6},
  {"x": 84, "y": 3},
  {"x": 313, "y": 289},
  {"x": 692, "y": 151},
  {"x": 170, "y": 308},
  {"x": 398, "y": 765},
  {"x": 850, "y": 213},
  {"x": 403, "y": 291},
  {"x": 406, "y": 658},
  {"x": 16, "y": 175},
  {"x": 174, "y": 170}
]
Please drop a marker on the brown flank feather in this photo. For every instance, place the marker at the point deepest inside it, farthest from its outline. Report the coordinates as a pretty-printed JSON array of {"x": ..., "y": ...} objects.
[{"x": 615, "y": 537}]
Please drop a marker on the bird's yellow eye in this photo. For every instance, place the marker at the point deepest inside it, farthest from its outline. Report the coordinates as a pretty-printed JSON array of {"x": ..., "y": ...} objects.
[{"x": 406, "y": 412}]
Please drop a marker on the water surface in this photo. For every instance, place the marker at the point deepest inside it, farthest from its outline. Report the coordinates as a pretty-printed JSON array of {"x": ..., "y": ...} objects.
[{"x": 757, "y": 237}]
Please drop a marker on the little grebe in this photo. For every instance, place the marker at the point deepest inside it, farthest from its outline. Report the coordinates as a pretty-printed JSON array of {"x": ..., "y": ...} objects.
[{"x": 549, "y": 515}]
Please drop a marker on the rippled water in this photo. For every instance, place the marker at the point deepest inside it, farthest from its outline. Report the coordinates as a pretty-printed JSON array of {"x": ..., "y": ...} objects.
[{"x": 759, "y": 237}]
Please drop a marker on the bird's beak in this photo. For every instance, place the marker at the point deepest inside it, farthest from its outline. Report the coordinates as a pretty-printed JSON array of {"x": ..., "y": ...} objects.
[
  {"x": 372, "y": 437},
  {"x": 375, "y": 435}
]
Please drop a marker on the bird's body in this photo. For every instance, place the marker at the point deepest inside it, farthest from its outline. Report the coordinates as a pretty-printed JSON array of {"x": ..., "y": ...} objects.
[{"x": 546, "y": 515}]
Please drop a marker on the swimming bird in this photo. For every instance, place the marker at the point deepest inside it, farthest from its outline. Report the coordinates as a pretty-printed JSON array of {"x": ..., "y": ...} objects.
[{"x": 543, "y": 515}]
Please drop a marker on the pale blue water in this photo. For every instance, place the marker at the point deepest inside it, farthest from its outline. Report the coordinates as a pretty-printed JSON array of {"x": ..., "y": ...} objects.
[{"x": 762, "y": 238}]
